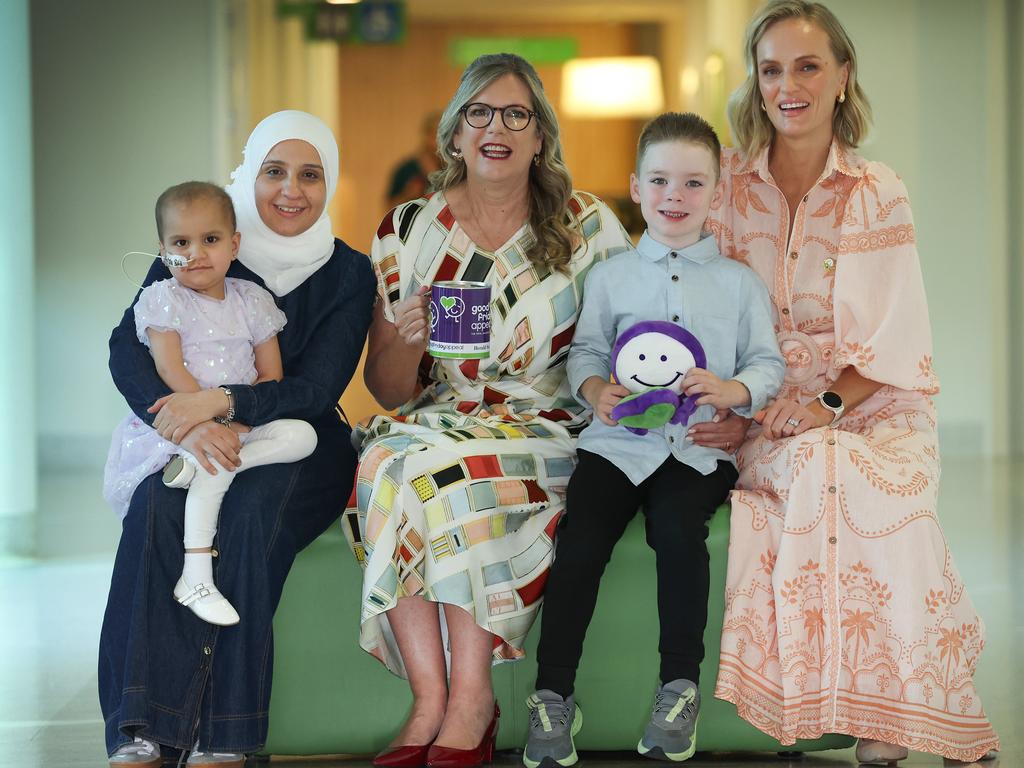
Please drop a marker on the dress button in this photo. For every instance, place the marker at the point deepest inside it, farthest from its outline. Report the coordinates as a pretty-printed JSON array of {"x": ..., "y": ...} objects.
[
  {"x": 805, "y": 198},
  {"x": 207, "y": 650},
  {"x": 793, "y": 255},
  {"x": 832, "y": 539},
  {"x": 785, "y": 310},
  {"x": 831, "y": 489},
  {"x": 675, "y": 278},
  {"x": 675, "y": 318},
  {"x": 831, "y": 441}
]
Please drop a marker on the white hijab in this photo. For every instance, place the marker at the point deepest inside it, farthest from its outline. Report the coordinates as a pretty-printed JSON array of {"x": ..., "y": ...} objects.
[{"x": 283, "y": 262}]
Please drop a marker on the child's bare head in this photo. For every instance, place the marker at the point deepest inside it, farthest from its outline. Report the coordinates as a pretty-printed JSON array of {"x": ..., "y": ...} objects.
[{"x": 191, "y": 192}]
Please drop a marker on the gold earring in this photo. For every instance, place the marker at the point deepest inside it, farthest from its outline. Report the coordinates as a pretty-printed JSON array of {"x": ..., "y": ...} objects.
[
  {"x": 842, "y": 96},
  {"x": 456, "y": 153},
  {"x": 536, "y": 159},
  {"x": 762, "y": 106}
]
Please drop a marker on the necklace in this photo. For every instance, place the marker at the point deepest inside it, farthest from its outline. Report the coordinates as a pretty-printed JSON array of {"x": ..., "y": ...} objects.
[{"x": 493, "y": 237}]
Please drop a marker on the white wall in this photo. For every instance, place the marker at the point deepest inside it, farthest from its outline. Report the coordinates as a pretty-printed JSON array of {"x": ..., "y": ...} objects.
[
  {"x": 935, "y": 72},
  {"x": 17, "y": 393},
  {"x": 123, "y": 107}
]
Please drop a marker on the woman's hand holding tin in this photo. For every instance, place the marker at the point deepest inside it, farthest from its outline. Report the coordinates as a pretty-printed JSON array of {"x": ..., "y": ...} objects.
[{"x": 412, "y": 318}]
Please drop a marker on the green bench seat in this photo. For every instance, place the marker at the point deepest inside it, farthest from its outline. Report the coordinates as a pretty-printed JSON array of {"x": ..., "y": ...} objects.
[{"x": 330, "y": 697}]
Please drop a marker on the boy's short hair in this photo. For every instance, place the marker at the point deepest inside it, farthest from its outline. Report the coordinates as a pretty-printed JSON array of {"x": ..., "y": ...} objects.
[
  {"x": 679, "y": 126},
  {"x": 189, "y": 192}
]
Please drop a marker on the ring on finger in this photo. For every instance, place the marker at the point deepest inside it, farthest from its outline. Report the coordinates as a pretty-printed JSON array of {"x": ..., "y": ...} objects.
[{"x": 793, "y": 422}]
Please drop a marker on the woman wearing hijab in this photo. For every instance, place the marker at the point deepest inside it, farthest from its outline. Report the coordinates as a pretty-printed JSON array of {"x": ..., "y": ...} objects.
[{"x": 167, "y": 679}]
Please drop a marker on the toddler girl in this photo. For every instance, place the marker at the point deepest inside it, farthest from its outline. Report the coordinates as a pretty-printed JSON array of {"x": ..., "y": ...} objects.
[{"x": 204, "y": 331}]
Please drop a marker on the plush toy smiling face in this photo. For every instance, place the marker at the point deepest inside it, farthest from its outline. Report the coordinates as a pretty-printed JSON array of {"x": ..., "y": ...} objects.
[
  {"x": 655, "y": 354},
  {"x": 653, "y": 360}
]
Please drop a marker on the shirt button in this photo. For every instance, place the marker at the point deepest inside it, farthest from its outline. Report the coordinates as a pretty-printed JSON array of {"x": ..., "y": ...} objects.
[
  {"x": 671, "y": 439},
  {"x": 675, "y": 318},
  {"x": 805, "y": 198},
  {"x": 831, "y": 489},
  {"x": 675, "y": 278},
  {"x": 831, "y": 441},
  {"x": 793, "y": 255},
  {"x": 207, "y": 650},
  {"x": 673, "y": 254},
  {"x": 832, "y": 539},
  {"x": 785, "y": 310}
]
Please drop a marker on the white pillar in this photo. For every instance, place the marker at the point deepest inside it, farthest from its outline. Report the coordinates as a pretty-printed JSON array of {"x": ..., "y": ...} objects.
[{"x": 18, "y": 481}]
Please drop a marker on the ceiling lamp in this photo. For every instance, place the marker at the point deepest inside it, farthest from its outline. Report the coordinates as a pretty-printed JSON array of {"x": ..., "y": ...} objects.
[{"x": 616, "y": 86}]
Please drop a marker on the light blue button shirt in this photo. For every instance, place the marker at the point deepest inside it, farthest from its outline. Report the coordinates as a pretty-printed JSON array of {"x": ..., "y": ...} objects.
[{"x": 720, "y": 301}]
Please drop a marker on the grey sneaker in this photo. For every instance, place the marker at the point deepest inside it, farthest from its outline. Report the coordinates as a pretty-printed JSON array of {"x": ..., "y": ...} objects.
[
  {"x": 553, "y": 723},
  {"x": 672, "y": 732},
  {"x": 200, "y": 759},
  {"x": 141, "y": 753}
]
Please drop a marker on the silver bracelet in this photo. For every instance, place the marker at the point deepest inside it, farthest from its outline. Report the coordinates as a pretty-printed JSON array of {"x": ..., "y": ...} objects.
[{"x": 228, "y": 417}]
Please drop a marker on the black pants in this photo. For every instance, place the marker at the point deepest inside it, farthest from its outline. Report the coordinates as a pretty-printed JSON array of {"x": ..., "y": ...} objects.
[{"x": 678, "y": 501}]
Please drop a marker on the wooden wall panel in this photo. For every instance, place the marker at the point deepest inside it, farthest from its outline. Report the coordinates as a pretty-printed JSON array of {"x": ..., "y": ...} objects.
[{"x": 385, "y": 91}]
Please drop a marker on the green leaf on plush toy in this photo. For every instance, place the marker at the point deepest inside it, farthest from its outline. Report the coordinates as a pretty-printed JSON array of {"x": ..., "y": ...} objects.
[{"x": 655, "y": 416}]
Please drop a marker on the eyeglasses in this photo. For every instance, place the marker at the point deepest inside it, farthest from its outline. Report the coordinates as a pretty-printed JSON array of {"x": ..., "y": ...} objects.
[{"x": 479, "y": 115}]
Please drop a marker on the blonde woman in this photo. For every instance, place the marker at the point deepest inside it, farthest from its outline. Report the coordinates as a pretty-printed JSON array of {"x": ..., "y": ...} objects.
[
  {"x": 458, "y": 497},
  {"x": 844, "y": 612}
]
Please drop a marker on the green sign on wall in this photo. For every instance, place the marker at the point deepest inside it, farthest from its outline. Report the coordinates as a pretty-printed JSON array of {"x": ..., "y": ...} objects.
[
  {"x": 373, "y": 21},
  {"x": 536, "y": 50}
]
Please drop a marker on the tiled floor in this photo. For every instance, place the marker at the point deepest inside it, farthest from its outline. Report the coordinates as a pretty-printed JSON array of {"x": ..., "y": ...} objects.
[{"x": 51, "y": 609}]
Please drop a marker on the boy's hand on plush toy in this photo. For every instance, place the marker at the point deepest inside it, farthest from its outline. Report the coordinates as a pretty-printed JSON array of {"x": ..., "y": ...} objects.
[
  {"x": 412, "y": 317},
  {"x": 603, "y": 396},
  {"x": 711, "y": 390}
]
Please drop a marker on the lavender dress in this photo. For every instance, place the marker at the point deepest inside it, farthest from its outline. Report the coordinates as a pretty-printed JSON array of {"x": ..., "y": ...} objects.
[{"x": 217, "y": 343}]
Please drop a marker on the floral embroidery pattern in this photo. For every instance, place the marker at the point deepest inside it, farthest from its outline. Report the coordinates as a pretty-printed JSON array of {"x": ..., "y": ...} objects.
[{"x": 824, "y": 630}]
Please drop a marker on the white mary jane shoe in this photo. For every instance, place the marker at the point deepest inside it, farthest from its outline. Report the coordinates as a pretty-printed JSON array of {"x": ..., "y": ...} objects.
[
  {"x": 206, "y": 602},
  {"x": 871, "y": 752}
]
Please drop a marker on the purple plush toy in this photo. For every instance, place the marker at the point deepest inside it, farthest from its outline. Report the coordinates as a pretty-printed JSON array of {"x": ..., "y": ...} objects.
[{"x": 650, "y": 359}]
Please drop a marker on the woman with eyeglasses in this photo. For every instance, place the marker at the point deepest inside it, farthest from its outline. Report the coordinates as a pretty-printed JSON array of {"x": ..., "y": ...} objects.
[{"x": 458, "y": 496}]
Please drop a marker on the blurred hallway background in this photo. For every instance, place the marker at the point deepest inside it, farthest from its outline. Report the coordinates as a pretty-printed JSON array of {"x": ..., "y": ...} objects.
[{"x": 108, "y": 102}]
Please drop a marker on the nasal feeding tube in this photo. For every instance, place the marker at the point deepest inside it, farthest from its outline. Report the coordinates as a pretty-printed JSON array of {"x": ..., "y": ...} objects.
[{"x": 170, "y": 260}]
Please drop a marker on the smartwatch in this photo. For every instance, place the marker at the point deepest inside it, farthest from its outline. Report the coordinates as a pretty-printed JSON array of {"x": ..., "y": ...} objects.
[{"x": 833, "y": 402}]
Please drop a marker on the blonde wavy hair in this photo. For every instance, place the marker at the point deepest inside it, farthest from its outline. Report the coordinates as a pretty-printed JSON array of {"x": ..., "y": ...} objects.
[
  {"x": 751, "y": 127},
  {"x": 555, "y": 229}
]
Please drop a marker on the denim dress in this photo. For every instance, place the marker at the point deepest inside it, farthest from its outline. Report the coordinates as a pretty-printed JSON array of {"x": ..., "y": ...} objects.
[{"x": 165, "y": 674}]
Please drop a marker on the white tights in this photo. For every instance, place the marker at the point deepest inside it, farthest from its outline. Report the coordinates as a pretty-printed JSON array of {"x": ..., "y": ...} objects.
[{"x": 277, "y": 442}]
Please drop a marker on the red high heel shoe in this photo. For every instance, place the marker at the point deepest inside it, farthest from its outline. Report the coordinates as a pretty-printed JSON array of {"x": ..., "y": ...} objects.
[
  {"x": 449, "y": 757},
  {"x": 407, "y": 756}
]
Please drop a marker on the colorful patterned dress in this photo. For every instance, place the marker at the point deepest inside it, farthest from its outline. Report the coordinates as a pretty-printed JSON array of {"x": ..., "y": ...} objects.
[
  {"x": 457, "y": 498},
  {"x": 844, "y": 612}
]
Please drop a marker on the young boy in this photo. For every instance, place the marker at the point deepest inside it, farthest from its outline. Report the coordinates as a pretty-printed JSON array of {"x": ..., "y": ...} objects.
[{"x": 675, "y": 274}]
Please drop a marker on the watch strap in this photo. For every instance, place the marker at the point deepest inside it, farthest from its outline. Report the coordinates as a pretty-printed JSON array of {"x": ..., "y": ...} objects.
[{"x": 837, "y": 413}]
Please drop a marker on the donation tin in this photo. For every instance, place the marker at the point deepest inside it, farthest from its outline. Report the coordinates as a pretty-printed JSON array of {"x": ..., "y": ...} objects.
[{"x": 460, "y": 320}]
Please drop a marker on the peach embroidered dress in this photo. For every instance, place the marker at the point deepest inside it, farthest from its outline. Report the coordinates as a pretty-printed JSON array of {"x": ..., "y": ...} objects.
[{"x": 844, "y": 612}]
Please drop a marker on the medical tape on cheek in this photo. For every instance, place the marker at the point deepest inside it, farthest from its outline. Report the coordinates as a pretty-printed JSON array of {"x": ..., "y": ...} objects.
[{"x": 170, "y": 260}]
